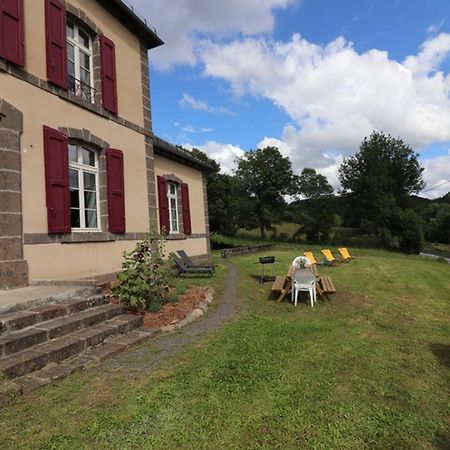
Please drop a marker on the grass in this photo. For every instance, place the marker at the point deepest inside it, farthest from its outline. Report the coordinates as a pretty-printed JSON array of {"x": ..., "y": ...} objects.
[{"x": 368, "y": 369}]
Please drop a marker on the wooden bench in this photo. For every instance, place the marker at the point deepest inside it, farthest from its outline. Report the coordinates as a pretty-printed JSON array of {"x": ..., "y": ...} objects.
[
  {"x": 326, "y": 285},
  {"x": 282, "y": 285},
  {"x": 278, "y": 284}
]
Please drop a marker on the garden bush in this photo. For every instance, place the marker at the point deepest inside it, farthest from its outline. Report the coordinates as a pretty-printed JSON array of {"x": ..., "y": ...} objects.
[{"x": 145, "y": 279}]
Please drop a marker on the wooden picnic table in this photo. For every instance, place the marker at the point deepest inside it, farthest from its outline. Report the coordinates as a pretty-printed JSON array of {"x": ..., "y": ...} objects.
[{"x": 283, "y": 284}]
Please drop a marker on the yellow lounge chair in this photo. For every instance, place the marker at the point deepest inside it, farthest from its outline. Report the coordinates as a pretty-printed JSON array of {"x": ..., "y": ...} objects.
[
  {"x": 329, "y": 258},
  {"x": 345, "y": 255},
  {"x": 311, "y": 257}
]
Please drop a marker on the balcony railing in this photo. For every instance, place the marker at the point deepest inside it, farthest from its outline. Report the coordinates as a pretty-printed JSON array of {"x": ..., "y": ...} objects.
[{"x": 81, "y": 89}]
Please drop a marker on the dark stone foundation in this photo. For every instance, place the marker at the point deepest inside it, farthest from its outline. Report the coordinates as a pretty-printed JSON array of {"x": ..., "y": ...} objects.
[{"x": 13, "y": 268}]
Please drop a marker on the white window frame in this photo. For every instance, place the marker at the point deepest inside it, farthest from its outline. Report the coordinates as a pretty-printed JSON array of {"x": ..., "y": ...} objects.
[
  {"x": 77, "y": 48},
  {"x": 170, "y": 197},
  {"x": 84, "y": 168}
]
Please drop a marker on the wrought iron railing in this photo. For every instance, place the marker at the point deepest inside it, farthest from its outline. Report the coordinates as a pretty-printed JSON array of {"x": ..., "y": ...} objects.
[{"x": 81, "y": 89}]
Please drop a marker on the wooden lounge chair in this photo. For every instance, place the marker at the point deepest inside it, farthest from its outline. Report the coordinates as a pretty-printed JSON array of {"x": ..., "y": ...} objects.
[
  {"x": 189, "y": 263},
  {"x": 311, "y": 257},
  {"x": 183, "y": 269},
  {"x": 345, "y": 255},
  {"x": 329, "y": 258}
]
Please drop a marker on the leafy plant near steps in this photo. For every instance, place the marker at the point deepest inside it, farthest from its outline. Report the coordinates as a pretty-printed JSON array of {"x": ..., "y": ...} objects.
[{"x": 145, "y": 280}]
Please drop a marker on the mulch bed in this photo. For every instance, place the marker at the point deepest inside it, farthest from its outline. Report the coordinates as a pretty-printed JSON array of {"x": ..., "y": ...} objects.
[{"x": 173, "y": 312}]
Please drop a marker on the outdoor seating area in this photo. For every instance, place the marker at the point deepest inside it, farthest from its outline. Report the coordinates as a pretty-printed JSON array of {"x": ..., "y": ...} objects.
[{"x": 303, "y": 275}]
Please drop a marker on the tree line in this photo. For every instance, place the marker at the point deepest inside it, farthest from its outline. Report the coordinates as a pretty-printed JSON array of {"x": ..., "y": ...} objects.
[{"x": 375, "y": 204}]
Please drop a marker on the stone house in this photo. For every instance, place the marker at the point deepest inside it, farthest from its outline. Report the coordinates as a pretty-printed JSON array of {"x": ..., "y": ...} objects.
[{"x": 81, "y": 173}]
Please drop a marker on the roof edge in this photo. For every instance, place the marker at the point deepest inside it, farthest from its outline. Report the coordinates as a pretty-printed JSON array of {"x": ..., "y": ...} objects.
[
  {"x": 164, "y": 148},
  {"x": 137, "y": 25}
]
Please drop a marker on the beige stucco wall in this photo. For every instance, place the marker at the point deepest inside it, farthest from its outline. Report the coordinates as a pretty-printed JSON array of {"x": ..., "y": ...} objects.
[
  {"x": 193, "y": 178},
  {"x": 71, "y": 261},
  {"x": 193, "y": 247},
  {"x": 128, "y": 60},
  {"x": 39, "y": 108},
  {"x": 74, "y": 261}
]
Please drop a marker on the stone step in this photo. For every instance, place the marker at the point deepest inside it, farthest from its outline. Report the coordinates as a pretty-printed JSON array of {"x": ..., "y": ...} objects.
[
  {"x": 70, "y": 345},
  {"x": 84, "y": 292},
  {"x": 40, "y": 313},
  {"x": 53, "y": 372},
  {"x": 15, "y": 341},
  {"x": 82, "y": 303}
]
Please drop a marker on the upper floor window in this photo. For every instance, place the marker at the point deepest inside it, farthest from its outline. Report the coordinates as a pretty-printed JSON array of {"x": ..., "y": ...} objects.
[
  {"x": 79, "y": 62},
  {"x": 172, "y": 197},
  {"x": 83, "y": 175}
]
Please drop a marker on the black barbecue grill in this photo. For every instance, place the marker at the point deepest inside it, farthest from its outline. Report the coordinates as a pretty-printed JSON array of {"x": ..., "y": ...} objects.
[{"x": 263, "y": 260}]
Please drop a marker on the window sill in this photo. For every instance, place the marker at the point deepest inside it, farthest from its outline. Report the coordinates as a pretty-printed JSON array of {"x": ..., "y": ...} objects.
[
  {"x": 175, "y": 237},
  {"x": 87, "y": 236}
]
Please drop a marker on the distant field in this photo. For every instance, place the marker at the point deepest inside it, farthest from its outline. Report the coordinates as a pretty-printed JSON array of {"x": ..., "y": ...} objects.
[
  {"x": 438, "y": 249},
  {"x": 287, "y": 228}
]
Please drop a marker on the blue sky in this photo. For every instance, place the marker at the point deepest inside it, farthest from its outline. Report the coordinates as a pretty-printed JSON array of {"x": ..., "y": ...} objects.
[{"x": 312, "y": 77}]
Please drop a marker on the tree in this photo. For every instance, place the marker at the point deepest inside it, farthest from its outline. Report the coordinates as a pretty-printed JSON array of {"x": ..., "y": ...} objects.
[
  {"x": 377, "y": 181},
  {"x": 223, "y": 197},
  {"x": 437, "y": 222},
  {"x": 266, "y": 177},
  {"x": 317, "y": 217},
  {"x": 380, "y": 177},
  {"x": 313, "y": 185}
]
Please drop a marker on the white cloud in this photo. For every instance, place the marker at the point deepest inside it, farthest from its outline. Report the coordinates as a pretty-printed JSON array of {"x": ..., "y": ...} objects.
[
  {"x": 435, "y": 27},
  {"x": 335, "y": 96},
  {"x": 182, "y": 23},
  {"x": 199, "y": 105},
  {"x": 224, "y": 154},
  {"x": 432, "y": 53},
  {"x": 187, "y": 100},
  {"x": 436, "y": 175},
  {"x": 189, "y": 129}
]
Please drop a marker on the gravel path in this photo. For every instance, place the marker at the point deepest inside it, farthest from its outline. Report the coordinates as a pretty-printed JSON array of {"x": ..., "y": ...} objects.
[{"x": 224, "y": 308}]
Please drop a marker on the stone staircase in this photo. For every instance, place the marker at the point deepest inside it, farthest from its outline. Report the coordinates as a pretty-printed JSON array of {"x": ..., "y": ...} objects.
[{"x": 49, "y": 341}]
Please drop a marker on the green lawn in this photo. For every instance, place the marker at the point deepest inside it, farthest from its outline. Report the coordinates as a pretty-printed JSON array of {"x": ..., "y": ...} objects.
[{"x": 369, "y": 369}]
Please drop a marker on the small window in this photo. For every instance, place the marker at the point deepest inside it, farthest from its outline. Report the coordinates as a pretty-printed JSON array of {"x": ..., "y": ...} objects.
[
  {"x": 172, "y": 191},
  {"x": 83, "y": 174},
  {"x": 79, "y": 62}
]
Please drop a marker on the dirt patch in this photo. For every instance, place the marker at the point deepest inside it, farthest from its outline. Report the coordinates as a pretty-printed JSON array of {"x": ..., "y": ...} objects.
[
  {"x": 173, "y": 312},
  {"x": 344, "y": 298}
]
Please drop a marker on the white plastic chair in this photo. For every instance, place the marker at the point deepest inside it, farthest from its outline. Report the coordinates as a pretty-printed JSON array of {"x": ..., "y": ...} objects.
[
  {"x": 301, "y": 262},
  {"x": 303, "y": 280}
]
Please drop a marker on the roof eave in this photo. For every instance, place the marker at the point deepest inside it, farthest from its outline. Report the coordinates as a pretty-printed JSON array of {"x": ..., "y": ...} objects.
[
  {"x": 167, "y": 150},
  {"x": 133, "y": 22}
]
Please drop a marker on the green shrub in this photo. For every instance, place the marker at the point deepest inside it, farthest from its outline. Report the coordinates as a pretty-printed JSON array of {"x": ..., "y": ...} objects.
[
  {"x": 407, "y": 227},
  {"x": 145, "y": 278}
]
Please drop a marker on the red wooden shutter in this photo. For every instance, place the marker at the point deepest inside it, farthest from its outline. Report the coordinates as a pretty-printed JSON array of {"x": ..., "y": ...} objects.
[
  {"x": 57, "y": 181},
  {"x": 108, "y": 71},
  {"x": 56, "y": 45},
  {"x": 163, "y": 205},
  {"x": 187, "y": 228},
  {"x": 116, "y": 191},
  {"x": 12, "y": 45}
]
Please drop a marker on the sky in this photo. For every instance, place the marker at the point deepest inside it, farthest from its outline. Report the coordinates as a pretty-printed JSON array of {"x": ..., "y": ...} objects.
[{"x": 311, "y": 77}]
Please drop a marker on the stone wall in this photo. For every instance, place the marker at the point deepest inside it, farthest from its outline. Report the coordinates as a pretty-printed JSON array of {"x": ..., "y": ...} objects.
[{"x": 13, "y": 268}]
